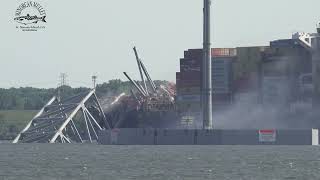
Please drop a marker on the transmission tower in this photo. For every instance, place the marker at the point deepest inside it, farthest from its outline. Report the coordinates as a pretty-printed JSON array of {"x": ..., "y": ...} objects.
[
  {"x": 94, "y": 81},
  {"x": 62, "y": 84},
  {"x": 63, "y": 79}
]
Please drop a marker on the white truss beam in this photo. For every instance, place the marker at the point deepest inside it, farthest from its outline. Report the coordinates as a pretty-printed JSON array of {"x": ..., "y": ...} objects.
[
  {"x": 81, "y": 104},
  {"x": 37, "y": 115},
  {"x": 55, "y": 122}
]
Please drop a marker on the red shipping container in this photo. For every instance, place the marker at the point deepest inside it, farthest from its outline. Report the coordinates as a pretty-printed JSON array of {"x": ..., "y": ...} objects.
[{"x": 221, "y": 52}]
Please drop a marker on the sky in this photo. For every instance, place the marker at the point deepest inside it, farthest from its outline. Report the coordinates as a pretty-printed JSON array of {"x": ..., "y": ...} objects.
[{"x": 84, "y": 38}]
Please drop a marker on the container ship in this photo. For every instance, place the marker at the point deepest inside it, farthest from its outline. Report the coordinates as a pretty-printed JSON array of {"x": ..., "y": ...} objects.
[{"x": 263, "y": 88}]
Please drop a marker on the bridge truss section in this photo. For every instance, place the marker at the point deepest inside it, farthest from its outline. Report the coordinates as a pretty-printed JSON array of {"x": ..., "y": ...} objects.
[{"x": 74, "y": 120}]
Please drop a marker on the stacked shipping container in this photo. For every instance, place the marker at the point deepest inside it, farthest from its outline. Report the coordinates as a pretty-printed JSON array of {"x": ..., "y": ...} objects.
[
  {"x": 247, "y": 75},
  {"x": 283, "y": 65},
  {"x": 189, "y": 78},
  {"x": 189, "y": 81}
]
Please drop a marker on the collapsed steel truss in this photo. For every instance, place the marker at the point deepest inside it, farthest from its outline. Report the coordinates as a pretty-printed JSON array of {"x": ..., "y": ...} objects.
[
  {"x": 76, "y": 119},
  {"x": 159, "y": 99}
]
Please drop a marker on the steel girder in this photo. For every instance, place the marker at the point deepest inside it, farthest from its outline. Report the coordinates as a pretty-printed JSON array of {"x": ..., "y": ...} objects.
[{"x": 76, "y": 119}]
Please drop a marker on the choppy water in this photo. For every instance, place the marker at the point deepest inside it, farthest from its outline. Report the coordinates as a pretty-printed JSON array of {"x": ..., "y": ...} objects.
[{"x": 44, "y": 161}]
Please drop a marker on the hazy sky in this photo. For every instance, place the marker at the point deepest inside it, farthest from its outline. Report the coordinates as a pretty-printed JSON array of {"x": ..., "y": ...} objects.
[{"x": 85, "y": 37}]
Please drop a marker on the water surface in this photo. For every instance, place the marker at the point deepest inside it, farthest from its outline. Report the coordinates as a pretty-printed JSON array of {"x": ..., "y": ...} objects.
[{"x": 76, "y": 161}]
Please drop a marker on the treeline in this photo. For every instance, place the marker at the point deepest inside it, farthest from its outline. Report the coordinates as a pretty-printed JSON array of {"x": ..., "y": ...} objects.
[{"x": 29, "y": 98}]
